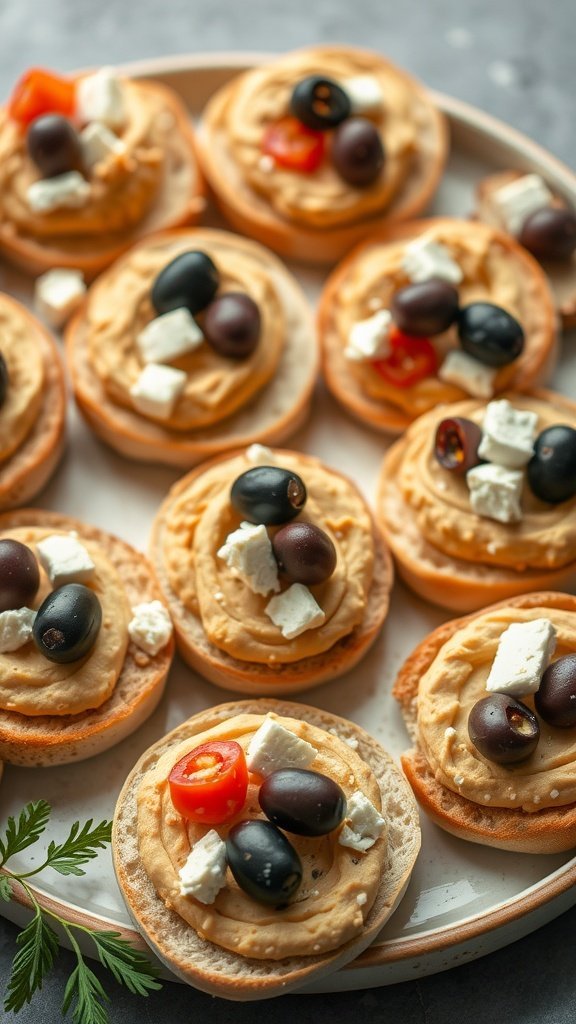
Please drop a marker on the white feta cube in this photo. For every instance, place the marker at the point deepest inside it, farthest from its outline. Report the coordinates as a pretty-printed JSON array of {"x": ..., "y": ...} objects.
[
  {"x": 365, "y": 94},
  {"x": 273, "y": 746},
  {"x": 65, "y": 560},
  {"x": 295, "y": 611},
  {"x": 495, "y": 492},
  {"x": 157, "y": 390},
  {"x": 68, "y": 190},
  {"x": 57, "y": 294},
  {"x": 368, "y": 339},
  {"x": 150, "y": 627},
  {"x": 424, "y": 259},
  {"x": 468, "y": 373},
  {"x": 204, "y": 873},
  {"x": 15, "y": 628},
  {"x": 248, "y": 551},
  {"x": 260, "y": 455},
  {"x": 169, "y": 336},
  {"x": 101, "y": 97},
  {"x": 515, "y": 202},
  {"x": 523, "y": 655},
  {"x": 363, "y": 824},
  {"x": 508, "y": 434},
  {"x": 98, "y": 142}
]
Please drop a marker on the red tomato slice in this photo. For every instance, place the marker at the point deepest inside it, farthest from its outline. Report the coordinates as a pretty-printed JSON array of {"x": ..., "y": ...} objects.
[
  {"x": 293, "y": 145},
  {"x": 209, "y": 784},
  {"x": 410, "y": 360},
  {"x": 41, "y": 92}
]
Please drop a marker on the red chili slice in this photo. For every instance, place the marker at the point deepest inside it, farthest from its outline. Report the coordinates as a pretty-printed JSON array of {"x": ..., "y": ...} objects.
[
  {"x": 209, "y": 784},
  {"x": 294, "y": 145},
  {"x": 40, "y": 92},
  {"x": 410, "y": 360}
]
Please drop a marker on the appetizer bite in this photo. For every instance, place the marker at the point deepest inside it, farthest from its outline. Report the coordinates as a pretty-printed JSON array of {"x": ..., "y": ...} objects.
[
  {"x": 432, "y": 312},
  {"x": 275, "y": 574},
  {"x": 490, "y": 702},
  {"x": 85, "y": 640},
  {"x": 312, "y": 151},
  {"x": 261, "y": 845}
]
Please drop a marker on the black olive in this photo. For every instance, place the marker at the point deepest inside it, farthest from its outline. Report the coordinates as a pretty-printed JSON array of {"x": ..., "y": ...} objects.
[
  {"x": 268, "y": 494},
  {"x": 67, "y": 623},
  {"x": 555, "y": 699},
  {"x": 319, "y": 103},
  {"x": 358, "y": 152},
  {"x": 456, "y": 444},
  {"x": 425, "y": 309},
  {"x": 503, "y": 729},
  {"x": 19, "y": 575},
  {"x": 54, "y": 145},
  {"x": 305, "y": 554},
  {"x": 550, "y": 233},
  {"x": 301, "y": 801},
  {"x": 231, "y": 325},
  {"x": 490, "y": 334},
  {"x": 4, "y": 380},
  {"x": 552, "y": 469},
  {"x": 190, "y": 280},
  {"x": 263, "y": 862}
]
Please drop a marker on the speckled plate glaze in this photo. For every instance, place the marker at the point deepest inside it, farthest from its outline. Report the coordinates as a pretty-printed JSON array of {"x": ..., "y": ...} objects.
[{"x": 463, "y": 900}]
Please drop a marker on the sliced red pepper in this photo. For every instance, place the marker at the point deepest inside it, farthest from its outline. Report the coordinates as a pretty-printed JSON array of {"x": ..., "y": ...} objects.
[
  {"x": 410, "y": 360},
  {"x": 294, "y": 145},
  {"x": 41, "y": 92},
  {"x": 209, "y": 784}
]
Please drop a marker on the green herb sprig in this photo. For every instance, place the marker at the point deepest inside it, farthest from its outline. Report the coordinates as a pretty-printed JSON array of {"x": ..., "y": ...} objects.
[{"x": 38, "y": 943}]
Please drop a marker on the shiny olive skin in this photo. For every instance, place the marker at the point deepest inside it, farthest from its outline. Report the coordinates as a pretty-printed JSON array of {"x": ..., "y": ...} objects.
[
  {"x": 319, "y": 103},
  {"x": 425, "y": 309},
  {"x": 550, "y": 233},
  {"x": 503, "y": 729},
  {"x": 190, "y": 280},
  {"x": 551, "y": 471},
  {"x": 555, "y": 700},
  {"x": 357, "y": 152},
  {"x": 4, "y": 380},
  {"x": 301, "y": 801},
  {"x": 456, "y": 444},
  {"x": 268, "y": 494},
  {"x": 67, "y": 623},
  {"x": 54, "y": 145},
  {"x": 490, "y": 334},
  {"x": 304, "y": 552},
  {"x": 231, "y": 325},
  {"x": 19, "y": 575},
  {"x": 263, "y": 861}
]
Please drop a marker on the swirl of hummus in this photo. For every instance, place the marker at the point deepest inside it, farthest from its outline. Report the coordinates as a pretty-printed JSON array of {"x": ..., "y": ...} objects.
[
  {"x": 233, "y": 617},
  {"x": 26, "y": 373},
  {"x": 119, "y": 307},
  {"x": 455, "y": 681},
  {"x": 325, "y": 912},
  {"x": 31, "y": 684},
  {"x": 440, "y": 500}
]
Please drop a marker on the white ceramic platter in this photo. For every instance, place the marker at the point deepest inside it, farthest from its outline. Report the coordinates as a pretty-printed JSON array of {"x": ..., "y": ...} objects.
[{"x": 463, "y": 900}]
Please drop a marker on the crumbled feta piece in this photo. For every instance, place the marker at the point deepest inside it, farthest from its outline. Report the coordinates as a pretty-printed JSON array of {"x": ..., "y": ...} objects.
[
  {"x": 523, "y": 654},
  {"x": 98, "y": 142},
  {"x": 368, "y": 339},
  {"x": 365, "y": 94},
  {"x": 508, "y": 435},
  {"x": 474, "y": 377},
  {"x": 515, "y": 202},
  {"x": 424, "y": 258},
  {"x": 169, "y": 336},
  {"x": 65, "y": 560},
  {"x": 150, "y": 627},
  {"x": 260, "y": 455},
  {"x": 248, "y": 550},
  {"x": 204, "y": 873},
  {"x": 361, "y": 899},
  {"x": 15, "y": 628},
  {"x": 363, "y": 824},
  {"x": 68, "y": 190},
  {"x": 101, "y": 97},
  {"x": 554, "y": 794},
  {"x": 157, "y": 390},
  {"x": 295, "y": 611},
  {"x": 495, "y": 492},
  {"x": 459, "y": 780},
  {"x": 273, "y": 746},
  {"x": 57, "y": 293}
]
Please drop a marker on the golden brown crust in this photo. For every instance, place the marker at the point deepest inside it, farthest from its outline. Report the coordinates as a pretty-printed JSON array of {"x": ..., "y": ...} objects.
[{"x": 58, "y": 739}]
